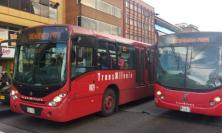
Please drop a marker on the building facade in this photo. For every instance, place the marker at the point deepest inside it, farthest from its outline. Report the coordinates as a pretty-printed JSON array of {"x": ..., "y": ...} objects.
[
  {"x": 163, "y": 27},
  {"x": 99, "y": 15},
  {"x": 139, "y": 21},
  {"x": 18, "y": 14},
  {"x": 187, "y": 27},
  {"x": 133, "y": 19}
]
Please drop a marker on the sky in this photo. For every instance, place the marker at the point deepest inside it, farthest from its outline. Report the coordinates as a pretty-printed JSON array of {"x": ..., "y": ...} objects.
[{"x": 205, "y": 14}]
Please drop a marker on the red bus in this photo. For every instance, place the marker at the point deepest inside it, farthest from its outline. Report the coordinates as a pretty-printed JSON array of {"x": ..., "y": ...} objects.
[
  {"x": 64, "y": 72},
  {"x": 189, "y": 73}
]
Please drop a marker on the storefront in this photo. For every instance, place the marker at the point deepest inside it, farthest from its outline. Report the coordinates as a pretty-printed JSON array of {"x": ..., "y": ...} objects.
[
  {"x": 7, "y": 50},
  {"x": 7, "y": 60}
]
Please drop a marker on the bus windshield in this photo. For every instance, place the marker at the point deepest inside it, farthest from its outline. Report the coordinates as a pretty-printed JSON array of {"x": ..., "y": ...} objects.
[
  {"x": 193, "y": 67},
  {"x": 41, "y": 63}
]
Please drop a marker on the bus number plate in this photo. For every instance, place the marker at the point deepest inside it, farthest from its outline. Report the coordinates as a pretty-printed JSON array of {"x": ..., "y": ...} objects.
[
  {"x": 30, "y": 110},
  {"x": 184, "y": 109}
]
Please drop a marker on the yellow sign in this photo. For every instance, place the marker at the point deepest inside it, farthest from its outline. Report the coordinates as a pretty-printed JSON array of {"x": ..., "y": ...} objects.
[
  {"x": 2, "y": 97},
  {"x": 13, "y": 36}
]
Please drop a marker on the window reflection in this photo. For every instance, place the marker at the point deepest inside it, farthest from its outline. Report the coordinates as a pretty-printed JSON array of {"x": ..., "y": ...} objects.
[
  {"x": 98, "y": 26},
  {"x": 44, "y": 11},
  {"x": 4, "y": 2},
  {"x": 38, "y": 7},
  {"x": 195, "y": 67},
  {"x": 103, "y": 6},
  {"x": 204, "y": 70},
  {"x": 171, "y": 68}
]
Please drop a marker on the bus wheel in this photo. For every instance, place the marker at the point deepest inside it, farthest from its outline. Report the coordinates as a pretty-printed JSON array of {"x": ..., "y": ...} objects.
[{"x": 109, "y": 102}]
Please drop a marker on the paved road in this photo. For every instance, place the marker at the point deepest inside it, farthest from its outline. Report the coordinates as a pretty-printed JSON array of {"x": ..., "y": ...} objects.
[{"x": 138, "y": 117}]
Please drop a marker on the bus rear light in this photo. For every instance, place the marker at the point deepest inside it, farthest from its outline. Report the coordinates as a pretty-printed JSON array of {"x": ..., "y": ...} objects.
[{"x": 57, "y": 99}]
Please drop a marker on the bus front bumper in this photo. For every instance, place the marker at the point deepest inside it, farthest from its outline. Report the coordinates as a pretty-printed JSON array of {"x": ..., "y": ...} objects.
[
  {"x": 211, "y": 111},
  {"x": 57, "y": 113}
]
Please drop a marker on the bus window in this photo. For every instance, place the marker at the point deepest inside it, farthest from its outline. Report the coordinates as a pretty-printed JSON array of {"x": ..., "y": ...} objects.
[
  {"x": 82, "y": 55},
  {"x": 106, "y": 55},
  {"x": 102, "y": 62},
  {"x": 112, "y": 55},
  {"x": 113, "y": 58},
  {"x": 126, "y": 57}
]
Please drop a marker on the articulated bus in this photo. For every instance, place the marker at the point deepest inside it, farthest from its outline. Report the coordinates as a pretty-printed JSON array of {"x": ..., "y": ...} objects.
[
  {"x": 189, "y": 73},
  {"x": 64, "y": 72}
]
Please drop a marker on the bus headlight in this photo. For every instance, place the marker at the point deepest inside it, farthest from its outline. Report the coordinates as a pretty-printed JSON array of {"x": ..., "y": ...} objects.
[
  {"x": 159, "y": 93},
  {"x": 57, "y": 100},
  {"x": 217, "y": 99},
  {"x": 13, "y": 94},
  {"x": 14, "y": 97}
]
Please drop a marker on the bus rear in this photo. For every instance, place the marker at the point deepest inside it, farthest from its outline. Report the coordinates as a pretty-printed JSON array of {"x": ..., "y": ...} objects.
[{"x": 189, "y": 73}]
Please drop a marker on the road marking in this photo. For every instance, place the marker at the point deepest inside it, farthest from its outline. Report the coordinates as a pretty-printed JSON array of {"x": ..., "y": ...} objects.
[{"x": 2, "y": 132}]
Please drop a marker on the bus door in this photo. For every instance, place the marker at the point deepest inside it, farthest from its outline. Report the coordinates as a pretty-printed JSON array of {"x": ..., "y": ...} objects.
[
  {"x": 140, "y": 63},
  {"x": 82, "y": 59},
  {"x": 151, "y": 60}
]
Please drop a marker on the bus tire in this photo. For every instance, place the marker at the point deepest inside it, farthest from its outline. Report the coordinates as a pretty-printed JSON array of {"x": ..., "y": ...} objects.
[{"x": 109, "y": 102}]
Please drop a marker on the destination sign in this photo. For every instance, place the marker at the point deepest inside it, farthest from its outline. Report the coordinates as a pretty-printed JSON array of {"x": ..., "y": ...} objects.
[
  {"x": 44, "y": 34},
  {"x": 192, "y": 40}
]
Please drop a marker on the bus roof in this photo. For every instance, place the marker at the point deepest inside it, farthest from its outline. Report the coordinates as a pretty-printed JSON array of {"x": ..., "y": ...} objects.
[{"x": 79, "y": 30}]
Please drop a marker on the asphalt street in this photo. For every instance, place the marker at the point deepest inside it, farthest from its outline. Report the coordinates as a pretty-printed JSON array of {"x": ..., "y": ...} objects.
[{"x": 138, "y": 117}]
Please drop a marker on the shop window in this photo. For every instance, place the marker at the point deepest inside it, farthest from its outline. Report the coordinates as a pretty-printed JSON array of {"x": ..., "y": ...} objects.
[
  {"x": 44, "y": 2},
  {"x": 104, "y": 27},
  {"x": 127, "y": 3},
  {"x": 116, "y": 12},
  {"x": 36, "y": 8},
  {"x": 26, "y": 5},
  {"x": 52, "y": 13},
  {"x": 88, "y": 23},
  {"x": 105, "y": 7},
  {"x": 15, "y": 4},
  {"x": 44, "y": 11},
  {"x": 90, "y": 3},
  {"x": 131, "y": 6},
  {"x": 98, "y": 26},
  {"x": 4, "y": 2}
]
